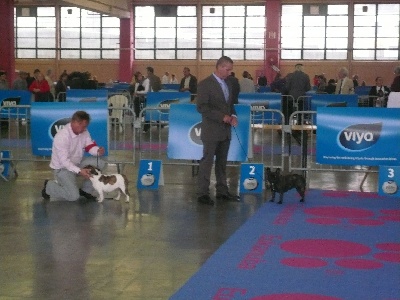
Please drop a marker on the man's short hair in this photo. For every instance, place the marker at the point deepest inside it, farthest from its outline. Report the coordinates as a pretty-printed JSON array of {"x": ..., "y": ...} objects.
[
  {"x": 186, "y": 69},
  {"x": 150, "y": 69},
  {"x": 81, "y": 115},
  {"x": 223, "y": 60}
]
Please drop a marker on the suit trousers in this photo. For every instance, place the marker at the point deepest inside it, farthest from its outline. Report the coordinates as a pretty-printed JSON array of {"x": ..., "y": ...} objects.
[
  {"x": 219, "y": 149},
  {"x": 65, "y": 185}
]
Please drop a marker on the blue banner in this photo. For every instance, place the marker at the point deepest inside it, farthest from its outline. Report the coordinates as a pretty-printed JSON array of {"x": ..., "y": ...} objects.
[
  {"x": 12, "y": 98},
  {"x": 163, "y": 100},
  {"x": 263, "y": 101},
  {"x": 77, "y": 95},
  {"x": 185, "y": 128},
  {"x": 358, "y": 136},
  {"x": 47, "y": 118}
]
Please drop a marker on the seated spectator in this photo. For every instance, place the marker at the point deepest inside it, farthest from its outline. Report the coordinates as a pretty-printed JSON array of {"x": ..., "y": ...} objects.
[
  {"x": 165, "y": 78},
  {"x": 41, "y": 90},
  {"x": 246, "y": 84},
  {"x": 20, "y": 83},
  {"x": 173, "y": 80},
  {"x": 394, "y": 96},
  {"x": 321, "y": 84},
  {"x": 330, "y": 87},
  {"x": 262, "y": 80},
  {"x": 379, "y": 93}
]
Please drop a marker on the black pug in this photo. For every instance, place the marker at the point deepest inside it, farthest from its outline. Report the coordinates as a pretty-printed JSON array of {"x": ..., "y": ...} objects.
[{"x": 283, "y": 183}]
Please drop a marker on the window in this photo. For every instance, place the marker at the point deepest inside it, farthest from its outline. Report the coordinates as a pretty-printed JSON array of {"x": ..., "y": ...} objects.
[
  {"x": 165, "y": 32},
  {"x": 88, "y": 35},
  {"x": 234, "y": 31},
  {"x": 376, "y": 32},
  {"x": 314, "y": 31},
  {"x": 34, "y": 32}
]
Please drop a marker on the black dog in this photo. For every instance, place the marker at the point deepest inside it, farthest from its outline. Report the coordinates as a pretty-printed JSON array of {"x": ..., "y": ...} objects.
[{"x": 283, "y": 183}]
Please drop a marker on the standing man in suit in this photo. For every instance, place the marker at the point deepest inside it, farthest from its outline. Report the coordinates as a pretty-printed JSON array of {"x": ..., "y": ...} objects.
[
  {"x": 345, "y": 84},
  {"x": 297, "y": 84},
  {"x": 215, "y": 103}
]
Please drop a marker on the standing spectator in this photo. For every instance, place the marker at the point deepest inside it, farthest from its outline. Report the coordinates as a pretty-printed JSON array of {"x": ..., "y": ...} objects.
[
  {"x": 61, "y": 88},
  {"x": 246, "y": 84},
  {"x": 173, "y": 80},
  {"x": 155, "y": 81},
  {"x": 216, "y": 106},
  {"x": 188, "y": 82},
  {"x": 68, "y": 160},
  {"x": 279, "y": 83},
  {"x": 344, "y": 85},
  {"x": 20, "y": 82},
  {"x": 40, "y": 88},
  {"x": 394, "y": 96},
  {"x": 141, "y": 88},
  {"x": 3, "y": 81},
  {"x": 30, "y": 78},
  {"x": 297, "y": 84},
  {"x": 165, "y": 78}
]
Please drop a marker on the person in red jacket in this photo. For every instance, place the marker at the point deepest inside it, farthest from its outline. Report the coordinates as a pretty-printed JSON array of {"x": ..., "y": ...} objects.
[{"x": 41, "y": 89}]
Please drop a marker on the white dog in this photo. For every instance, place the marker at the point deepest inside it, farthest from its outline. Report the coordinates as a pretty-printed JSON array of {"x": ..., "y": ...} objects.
[{"x": 108, "y": 183}]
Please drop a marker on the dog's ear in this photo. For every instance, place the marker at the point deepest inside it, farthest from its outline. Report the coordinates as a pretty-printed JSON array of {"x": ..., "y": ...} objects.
[
  {"x": 278, "y": 171},
  {"x": 268, "y": 170}
]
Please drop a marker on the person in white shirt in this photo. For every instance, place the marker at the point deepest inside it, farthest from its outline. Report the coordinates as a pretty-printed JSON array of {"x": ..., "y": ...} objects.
[
  {"x": 165, "y": 78},
  {"x": 173, "y": 80},
  {"x": 68, "y": 160},
  {"x": 246, "y": 84}
]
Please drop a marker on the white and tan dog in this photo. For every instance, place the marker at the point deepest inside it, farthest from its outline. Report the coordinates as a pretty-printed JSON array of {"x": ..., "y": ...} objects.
[{"x": 108, "y": 183}]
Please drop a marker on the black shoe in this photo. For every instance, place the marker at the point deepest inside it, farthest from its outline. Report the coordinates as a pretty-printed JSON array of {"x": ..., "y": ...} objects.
[
  {"x": 87, "y": 195},
  {"x": 44, "y": 194},
  {"x": 205, "y": 199},
  {"x": 228, "y": 197}
]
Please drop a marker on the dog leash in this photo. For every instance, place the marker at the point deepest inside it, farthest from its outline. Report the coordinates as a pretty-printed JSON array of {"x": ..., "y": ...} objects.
[{"x": 244, "y": 150}]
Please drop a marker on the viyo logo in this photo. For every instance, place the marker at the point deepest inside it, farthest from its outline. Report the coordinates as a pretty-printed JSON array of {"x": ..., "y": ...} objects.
[
  {"x": 360, "y": 136},
  {"x": 58, "y": 125},
  {"x": 195, "y": 133}
]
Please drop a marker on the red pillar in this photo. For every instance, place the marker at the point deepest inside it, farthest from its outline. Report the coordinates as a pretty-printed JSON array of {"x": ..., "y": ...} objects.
[
  {"x": 272, "y": 37},
  {"x": 7, "y": 58},
  {"x": 126, "y": 49}
]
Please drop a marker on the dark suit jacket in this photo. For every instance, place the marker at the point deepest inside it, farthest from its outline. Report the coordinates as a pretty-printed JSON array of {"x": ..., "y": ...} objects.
[
  {"x": 192, "y": 84},
  {"x": 213, "y": 107},
  {"x": 297, "y": 84}
]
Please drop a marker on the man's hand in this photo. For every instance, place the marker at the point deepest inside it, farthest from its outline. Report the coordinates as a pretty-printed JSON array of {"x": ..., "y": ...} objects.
[
  {"x": 234, "y": 121},
  {"x": 85, "y": 173},
  {"x": 101, "y": 151}
]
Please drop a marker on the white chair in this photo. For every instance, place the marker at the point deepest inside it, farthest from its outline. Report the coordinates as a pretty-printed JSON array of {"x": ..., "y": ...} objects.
[{"x": 116, "y": 104}]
